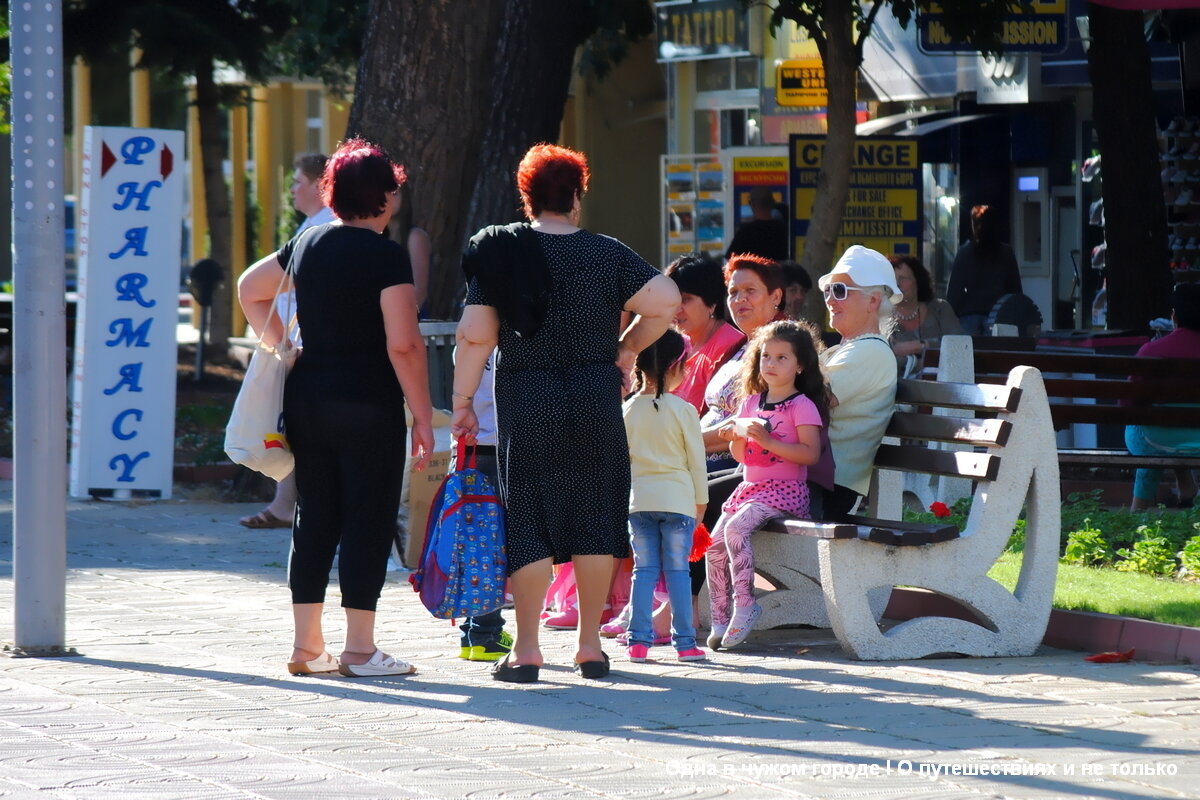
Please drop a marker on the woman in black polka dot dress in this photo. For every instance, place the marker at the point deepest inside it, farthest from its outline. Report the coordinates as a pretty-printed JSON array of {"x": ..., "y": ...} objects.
[{"x": 564, "y": 459}]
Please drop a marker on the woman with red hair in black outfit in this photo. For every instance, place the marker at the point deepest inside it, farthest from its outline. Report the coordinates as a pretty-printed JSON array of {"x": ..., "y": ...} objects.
[
  {"x": 551, "y": 294},
  {"x": 343, "y": 406}
]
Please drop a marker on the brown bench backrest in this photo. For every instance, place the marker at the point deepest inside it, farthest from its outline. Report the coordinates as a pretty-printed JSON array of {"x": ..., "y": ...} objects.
[
  {"x": 915, "y": 427},
  {"x": 1159, "y": 381}
]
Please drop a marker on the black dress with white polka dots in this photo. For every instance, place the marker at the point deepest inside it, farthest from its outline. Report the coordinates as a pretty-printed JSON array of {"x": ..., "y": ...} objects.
[{"x": 563, "y": 456}]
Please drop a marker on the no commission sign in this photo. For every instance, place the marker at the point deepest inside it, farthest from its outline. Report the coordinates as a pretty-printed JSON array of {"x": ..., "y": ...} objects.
[{"x": 1044, "y": 29}]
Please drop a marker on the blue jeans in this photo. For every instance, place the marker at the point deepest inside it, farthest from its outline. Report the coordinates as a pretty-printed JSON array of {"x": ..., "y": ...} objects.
[
  {"x": 1151, "y": 441},
  {"x": 974, "y": 324},
  {"x": 661, "y": 542}
]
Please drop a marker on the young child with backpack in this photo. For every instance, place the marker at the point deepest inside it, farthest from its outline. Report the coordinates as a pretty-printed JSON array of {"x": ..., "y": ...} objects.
[
  {"x": 668, "y": 494},
  {"x": 777, "y": 436},
  {"x": 483, "y": 637}
]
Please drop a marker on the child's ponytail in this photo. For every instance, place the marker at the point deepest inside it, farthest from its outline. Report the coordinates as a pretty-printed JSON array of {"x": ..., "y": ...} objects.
[{"x": 657, "y": 360}]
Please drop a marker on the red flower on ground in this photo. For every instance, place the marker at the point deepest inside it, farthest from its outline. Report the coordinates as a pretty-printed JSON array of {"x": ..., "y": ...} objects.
[{"x": 940, "y": 509}]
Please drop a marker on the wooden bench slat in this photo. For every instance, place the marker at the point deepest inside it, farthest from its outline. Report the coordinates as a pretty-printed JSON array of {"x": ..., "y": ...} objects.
[
  {"x": 1183, "y": 389},
  {"x": 1090, "y": 413},
  {"x": 879, "y": 531},
  {"x": 909, "y": 458},
  {"x": 805, "y": 527},
  {"x": 981, "y": 397},
  {"x": 1000, "y": 361},
  {"x": 956, "y": 430},
  {"x": 1119, "y": 458}
]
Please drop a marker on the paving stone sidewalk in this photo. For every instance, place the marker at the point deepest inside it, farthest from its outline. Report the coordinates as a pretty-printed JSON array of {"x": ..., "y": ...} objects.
[{"x": 182, "y": 622}]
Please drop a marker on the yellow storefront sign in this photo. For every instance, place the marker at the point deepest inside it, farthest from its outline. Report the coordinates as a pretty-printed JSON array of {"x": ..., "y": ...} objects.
[{"x": 801, "y": 82}]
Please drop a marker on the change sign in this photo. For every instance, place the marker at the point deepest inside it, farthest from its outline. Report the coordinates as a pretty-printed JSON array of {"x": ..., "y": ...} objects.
[{"x": 883, "y": 211}]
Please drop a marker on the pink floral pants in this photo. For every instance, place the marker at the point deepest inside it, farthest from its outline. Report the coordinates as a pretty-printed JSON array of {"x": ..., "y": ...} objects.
[{"x": 730, "y": 559}]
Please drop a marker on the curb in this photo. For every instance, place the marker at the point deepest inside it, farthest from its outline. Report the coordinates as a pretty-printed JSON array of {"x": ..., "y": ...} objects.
[{"x": 1087, "y": 631}]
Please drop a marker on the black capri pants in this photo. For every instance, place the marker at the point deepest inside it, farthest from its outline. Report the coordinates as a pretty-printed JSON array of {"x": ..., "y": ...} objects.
[{"x": 350, "y": 458}]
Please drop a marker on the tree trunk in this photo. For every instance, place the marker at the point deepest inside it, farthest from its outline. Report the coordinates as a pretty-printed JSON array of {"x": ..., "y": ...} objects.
[
  {"x": 423, "y": 92},
  {"x": 216, "y": 203},
  {"x": 531, "y": 78},
  {"x": 833, "y": 180},
  {"x": 1137, "y": 267}
]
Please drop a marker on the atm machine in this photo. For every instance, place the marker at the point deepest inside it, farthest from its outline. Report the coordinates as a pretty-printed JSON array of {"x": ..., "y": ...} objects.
[{"x": 1032, "y": 239}]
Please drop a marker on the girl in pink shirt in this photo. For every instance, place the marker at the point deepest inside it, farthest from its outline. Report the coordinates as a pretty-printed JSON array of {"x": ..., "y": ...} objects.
[{"x": 777, "y": 436}]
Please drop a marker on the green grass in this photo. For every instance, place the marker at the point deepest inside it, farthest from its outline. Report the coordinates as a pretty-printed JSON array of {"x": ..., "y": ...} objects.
[{"x": 1108, "y": 591}]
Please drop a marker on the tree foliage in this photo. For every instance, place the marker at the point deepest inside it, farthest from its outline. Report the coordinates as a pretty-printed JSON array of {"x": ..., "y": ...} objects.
[
  {"x": 191, "y": 39},
  {"x": 839, "y": 28},
  {"x": 5, "y": 73}
]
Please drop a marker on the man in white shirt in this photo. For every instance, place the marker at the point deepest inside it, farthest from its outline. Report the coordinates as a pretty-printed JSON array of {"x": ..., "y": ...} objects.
[{"x": 306, "y": 198}]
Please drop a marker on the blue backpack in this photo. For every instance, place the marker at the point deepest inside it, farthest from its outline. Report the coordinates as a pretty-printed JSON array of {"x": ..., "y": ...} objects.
[{"x": 463, "y": 568}]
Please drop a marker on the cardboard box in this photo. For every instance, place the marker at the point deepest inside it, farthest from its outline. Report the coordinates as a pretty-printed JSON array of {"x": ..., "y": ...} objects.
[{"x": 421, "y": 489}]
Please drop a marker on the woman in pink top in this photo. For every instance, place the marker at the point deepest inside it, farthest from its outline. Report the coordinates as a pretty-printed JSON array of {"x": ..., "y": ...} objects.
[
  {"x": 1145, "y": 440},
  {"x": 701, "y": 318}
]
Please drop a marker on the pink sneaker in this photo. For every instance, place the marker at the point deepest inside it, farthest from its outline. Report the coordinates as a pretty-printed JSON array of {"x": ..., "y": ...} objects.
[
  {"x": 567, "y": 620},
  {"x": 692, "y": 654},
  {"x": 623, "y": 639},
  {"x": 638, "y": 653},
  {"x": 610, "y": 629}
]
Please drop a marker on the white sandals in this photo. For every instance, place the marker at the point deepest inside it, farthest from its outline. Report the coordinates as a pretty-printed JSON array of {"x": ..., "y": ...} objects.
[
  {"x": 378, "y": 665},
  {"x": 322, "y": 664}
]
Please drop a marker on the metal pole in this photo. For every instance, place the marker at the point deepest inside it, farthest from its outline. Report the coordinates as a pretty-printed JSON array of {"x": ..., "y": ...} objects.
[{"x": 39, "y": 329}]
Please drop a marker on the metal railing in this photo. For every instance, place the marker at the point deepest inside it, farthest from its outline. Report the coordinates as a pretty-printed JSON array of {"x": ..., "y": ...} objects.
[{"x": 439, "y": 346}]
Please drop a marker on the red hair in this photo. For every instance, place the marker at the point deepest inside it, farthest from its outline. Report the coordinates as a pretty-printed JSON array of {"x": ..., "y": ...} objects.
[
  {"x": 768, "y": 271},
  {"x": 358, "y": 178},
  {"x": 550, "y": 178}
]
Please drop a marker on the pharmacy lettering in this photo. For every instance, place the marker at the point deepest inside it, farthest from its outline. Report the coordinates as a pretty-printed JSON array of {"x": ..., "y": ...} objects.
[{"x": 123, "y": 392}]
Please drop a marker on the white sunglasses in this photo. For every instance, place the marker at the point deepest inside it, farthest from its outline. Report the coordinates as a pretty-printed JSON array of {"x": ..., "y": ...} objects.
[{"x": 840, "y": 291}]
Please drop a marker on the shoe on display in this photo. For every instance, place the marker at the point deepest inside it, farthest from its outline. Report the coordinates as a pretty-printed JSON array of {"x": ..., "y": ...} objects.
[{"x": 1184, "y": 197}]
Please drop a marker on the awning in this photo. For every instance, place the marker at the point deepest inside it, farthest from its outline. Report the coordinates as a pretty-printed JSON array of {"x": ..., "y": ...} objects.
[
  {"x": 888, "y": 123},
  {"x": 942, "y": 124}
]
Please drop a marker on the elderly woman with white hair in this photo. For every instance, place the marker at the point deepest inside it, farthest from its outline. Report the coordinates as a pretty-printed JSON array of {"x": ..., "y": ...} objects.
[{"x": 859, "y": 292}]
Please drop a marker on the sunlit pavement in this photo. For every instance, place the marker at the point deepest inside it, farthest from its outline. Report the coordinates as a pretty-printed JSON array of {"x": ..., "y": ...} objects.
[{"x": 182, "y": 624}]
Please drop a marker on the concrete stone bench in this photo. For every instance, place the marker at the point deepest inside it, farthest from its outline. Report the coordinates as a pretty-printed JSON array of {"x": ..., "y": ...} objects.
[{"x": 840, "y": 575}]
